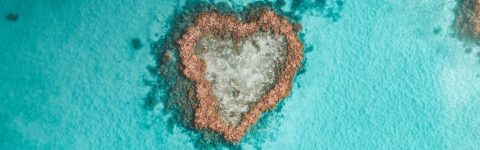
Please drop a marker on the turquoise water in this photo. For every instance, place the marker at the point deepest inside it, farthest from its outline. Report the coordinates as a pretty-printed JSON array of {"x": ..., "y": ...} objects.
[{"x": 383, "y": 74}]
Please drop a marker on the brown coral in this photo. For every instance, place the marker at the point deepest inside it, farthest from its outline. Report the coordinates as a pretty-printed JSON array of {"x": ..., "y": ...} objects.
[{"x": 211, "y": 22}]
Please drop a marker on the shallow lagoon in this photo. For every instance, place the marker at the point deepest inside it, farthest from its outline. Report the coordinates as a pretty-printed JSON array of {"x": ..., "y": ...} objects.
[{"x": 377, "y": 74}]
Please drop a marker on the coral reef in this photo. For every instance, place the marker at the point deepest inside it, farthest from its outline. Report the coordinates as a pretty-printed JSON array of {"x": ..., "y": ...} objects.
[
  {"x": 12, "y": 17},
  {"x": 263, "y": 24},
  {"x": 468, "y": 19}
]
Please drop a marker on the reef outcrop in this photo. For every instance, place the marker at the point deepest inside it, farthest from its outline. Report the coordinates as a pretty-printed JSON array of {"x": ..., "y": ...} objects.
[
  {"x": 477, "y": 16},
  {"x": 468, "y": 18},
  {"x": 240, "y": 69}
]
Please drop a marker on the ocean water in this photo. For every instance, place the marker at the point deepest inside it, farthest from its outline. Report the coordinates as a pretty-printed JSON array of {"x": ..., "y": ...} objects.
[{"x": 377, "y": 74}]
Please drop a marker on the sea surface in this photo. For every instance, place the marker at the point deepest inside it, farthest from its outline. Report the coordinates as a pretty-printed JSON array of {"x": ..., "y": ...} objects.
[{"x": 377, "y": 74}]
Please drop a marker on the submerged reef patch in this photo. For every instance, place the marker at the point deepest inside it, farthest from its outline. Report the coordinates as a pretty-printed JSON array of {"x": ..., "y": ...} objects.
[
  {"x": 329, "y": 9},
  {"x": 12, "y": 17},
  {"x": 136, "y": 43}
]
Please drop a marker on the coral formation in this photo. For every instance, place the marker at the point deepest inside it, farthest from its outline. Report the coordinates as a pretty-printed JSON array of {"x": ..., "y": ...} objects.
[
  {"x": 226, "y": 106},
  {"x": 12, "y": 17},
  {"x": 477, "y": 16},
  {"x": 468, "y": 18},
  {"x": 136, "y": 43}
]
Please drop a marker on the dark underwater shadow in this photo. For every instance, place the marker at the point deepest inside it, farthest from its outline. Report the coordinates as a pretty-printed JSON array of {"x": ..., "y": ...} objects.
[{"x": 173, "y": 94}]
